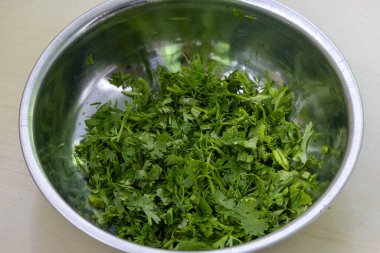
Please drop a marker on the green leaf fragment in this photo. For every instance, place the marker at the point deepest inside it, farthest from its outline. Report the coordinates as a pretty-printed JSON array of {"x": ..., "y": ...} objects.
[
  {"x": 280, "y": 158},
  {"x": 191, "y": 245},
  {"x": 240, "y": 14},
  {"x": 89, "y": 60}
]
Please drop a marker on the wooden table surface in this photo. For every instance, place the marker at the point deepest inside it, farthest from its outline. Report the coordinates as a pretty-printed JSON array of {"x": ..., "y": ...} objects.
[{"x": 28, "y": 223}]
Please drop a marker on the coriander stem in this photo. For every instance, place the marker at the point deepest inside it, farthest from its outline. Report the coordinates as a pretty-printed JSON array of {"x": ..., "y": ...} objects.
[{"x": 122, "y": 126}]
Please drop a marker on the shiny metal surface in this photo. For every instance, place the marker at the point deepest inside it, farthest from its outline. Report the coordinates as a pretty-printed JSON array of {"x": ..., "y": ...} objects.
[{"x": 137, "y": 36}]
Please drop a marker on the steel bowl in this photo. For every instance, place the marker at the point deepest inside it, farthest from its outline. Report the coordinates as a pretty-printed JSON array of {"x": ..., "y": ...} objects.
[{"x": 139, "y": 35}]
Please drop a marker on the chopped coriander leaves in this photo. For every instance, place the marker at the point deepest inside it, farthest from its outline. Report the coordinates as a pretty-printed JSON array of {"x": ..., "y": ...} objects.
[{"x": 207, "y": 161}]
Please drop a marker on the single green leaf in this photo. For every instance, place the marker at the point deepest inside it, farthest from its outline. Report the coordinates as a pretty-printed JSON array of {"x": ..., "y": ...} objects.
[{"x": 280, "y": 158}]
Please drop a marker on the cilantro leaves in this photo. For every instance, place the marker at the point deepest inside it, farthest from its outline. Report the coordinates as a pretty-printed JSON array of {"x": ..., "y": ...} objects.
[{"x": 207, "y": 161}]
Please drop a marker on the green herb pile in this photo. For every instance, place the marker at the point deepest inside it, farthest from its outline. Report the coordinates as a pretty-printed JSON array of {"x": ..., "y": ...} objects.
[{"x": 207, "y": 161}]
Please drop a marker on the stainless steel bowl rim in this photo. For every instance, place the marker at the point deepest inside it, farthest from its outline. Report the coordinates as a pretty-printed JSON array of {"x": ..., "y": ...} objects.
[{"x": 84, "y": 22}]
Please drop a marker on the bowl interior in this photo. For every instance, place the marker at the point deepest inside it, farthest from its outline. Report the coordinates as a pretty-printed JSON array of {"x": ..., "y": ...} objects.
[{"x": 139, "y": 38}]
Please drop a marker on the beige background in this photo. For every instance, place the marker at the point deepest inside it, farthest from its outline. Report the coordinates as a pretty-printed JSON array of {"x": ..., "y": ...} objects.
[{"x": 29, "y": 224}]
